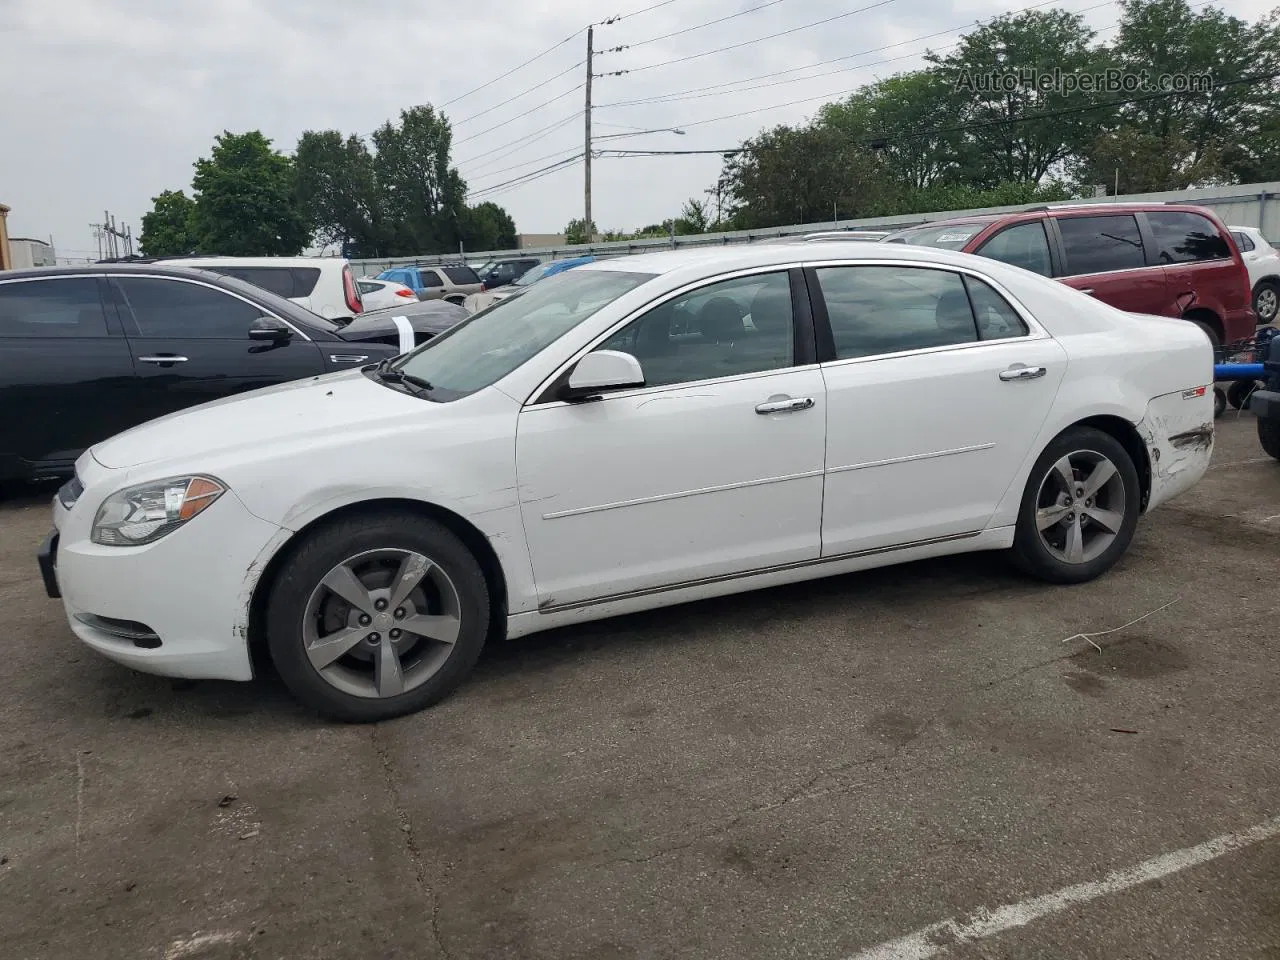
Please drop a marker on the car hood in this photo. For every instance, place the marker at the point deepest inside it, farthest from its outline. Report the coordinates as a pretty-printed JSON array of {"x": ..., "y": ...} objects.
[
  {"x": 298, "y": 412},
  {"x": 425, "y": 316}
]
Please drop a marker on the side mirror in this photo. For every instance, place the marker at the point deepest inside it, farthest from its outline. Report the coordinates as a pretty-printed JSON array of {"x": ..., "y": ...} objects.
[
  {"x": 270, "y": 329},
  {"x": 602, "y": 370}
]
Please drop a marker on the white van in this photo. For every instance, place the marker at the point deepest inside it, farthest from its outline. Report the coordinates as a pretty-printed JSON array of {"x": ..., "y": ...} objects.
[{"x": 323, "y": 285}]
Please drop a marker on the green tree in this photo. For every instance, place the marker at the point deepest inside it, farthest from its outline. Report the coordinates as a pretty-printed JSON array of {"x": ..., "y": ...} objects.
[
  {"x": 695, "y": 217},
  {"x": 1006, "y": 145},
  {"x": 167, "y": 228},
  {"x": 1205, "y": 135},
  {"x": 576, "y": 231},
  {"x": 246, "y": 204},
  {"x": 487, "y": 226},
  {"x": 422, "y": 196},
  {"x": 1142, "y": 162},
  {"x": 338, "y": 192}
]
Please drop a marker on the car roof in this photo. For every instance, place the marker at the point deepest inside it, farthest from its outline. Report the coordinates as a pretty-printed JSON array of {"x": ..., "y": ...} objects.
[
  {"x": 134, "y": 267},
  {"x": 320, "y": 262}
]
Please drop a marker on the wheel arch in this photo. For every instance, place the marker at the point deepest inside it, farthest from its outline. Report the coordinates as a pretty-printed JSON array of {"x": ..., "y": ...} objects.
[
  {"x": 1209, "y": 318},
  {"x": 474, "y": 540},
  {"x": 1126, "y": 434},
  {"x": 1271, "y": 278}
]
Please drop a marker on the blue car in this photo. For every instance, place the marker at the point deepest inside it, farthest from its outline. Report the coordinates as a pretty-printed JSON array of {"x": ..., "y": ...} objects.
[{"x": 479, "y": 301}]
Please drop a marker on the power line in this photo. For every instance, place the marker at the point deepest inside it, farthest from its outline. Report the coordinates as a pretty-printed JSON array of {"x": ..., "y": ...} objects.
[
  {"x": 528, "y": 177},
  {"x": 522, "y": 93},
  {"x": 553, "y": 47},
  {"x": 524, "y": 139},
  {"x": 747, "y": 43},
  {"x": 498, "y": 126},
  {"x": 697, "y": 26},
  {"x": 522, "y": 163},
  {"x": 696, "y": 93},
  {"x": 633, "y": 13}
]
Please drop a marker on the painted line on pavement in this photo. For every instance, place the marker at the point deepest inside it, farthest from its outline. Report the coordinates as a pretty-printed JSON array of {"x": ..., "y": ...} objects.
[{"x": 937, "y": 937}]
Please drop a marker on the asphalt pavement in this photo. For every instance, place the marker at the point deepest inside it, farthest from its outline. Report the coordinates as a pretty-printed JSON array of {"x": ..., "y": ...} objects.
[{"x": 926, "y": 760}]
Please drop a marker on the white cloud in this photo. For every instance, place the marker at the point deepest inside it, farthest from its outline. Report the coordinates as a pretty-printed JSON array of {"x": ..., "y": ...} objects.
[{"x": 108, "y": 102}]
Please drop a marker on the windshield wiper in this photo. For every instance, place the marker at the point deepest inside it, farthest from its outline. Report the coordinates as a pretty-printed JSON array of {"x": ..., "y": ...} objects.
[{"x": 384, "y": 372}]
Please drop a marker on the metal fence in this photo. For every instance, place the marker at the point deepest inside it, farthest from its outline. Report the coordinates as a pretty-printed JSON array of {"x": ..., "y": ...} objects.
[{"x": 1245, "y": 205}]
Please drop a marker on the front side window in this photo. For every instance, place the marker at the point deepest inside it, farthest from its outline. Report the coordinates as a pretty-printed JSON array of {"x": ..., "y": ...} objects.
[
  {"x": 881, "y": 310},
  {"x": 485, "y": 348},
  {"x": 68, "y": 307},
  {"x": 177, "y": 310},
  {"x": 725, "y": 329},
  {"x": 1022, "y": 245},
  {"x": 1101, "y": 244},
  {"x": 1187, "y": 237}
]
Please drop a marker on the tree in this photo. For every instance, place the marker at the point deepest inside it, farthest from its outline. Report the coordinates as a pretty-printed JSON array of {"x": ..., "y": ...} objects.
[
  {"x": 422, "y": 196},
  {"x": 1143, "y": 162},
  {"x": 1008, "y": 145},
  {"x": 245, "y": 201},
  {"x": 487, "y": 226},
  {"x": 695, "y": 217},
  {"x": 167, "y": 229},
  {"x": 576, "y": 231},
  {"x": 338, "y": 192}
]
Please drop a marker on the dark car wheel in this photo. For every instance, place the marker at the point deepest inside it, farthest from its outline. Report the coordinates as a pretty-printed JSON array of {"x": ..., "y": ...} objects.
[
  {"x": 1079, "y": 509},
  {"x": 377, "y": 616},
  {"x": 1238, "y": 393},
  {"x": 1269, "y": 428},
  {"x": 1266, "y": 301}
]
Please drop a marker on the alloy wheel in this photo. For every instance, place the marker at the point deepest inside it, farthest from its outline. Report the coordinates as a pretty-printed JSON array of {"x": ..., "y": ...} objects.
[
  {"x": 1265, "y": 304},
  {"x": 1080, "y": 507},
  {"x": 381, "y": 623}
]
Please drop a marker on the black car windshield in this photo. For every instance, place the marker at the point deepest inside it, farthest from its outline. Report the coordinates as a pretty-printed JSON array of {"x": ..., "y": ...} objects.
[
  {"x": 486, "y": 347},
  {"x": 949, "y": 236}
]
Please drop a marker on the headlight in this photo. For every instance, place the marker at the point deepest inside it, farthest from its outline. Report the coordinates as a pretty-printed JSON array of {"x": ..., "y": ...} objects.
[{"x": 145, "y": 513}]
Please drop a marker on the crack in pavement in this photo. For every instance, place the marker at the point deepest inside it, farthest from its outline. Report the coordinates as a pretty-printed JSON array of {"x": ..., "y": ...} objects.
[{"x": 411, "y": 844}]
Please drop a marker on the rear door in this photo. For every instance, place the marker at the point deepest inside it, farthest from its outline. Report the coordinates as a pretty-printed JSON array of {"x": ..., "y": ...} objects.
[
  {"x": 190, "y": 343},
  {"x": 1103, "y": 255},
  {"x": 66, "y": 377},
  {"x": 1199, "y": 265},
  {"x": 432, "y": 285}
]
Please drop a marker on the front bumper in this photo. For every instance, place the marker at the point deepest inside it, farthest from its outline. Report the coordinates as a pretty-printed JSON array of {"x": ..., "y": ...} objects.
[
  {"x": 1265, "y": 404},
  {"x": 178, "y": 607}
]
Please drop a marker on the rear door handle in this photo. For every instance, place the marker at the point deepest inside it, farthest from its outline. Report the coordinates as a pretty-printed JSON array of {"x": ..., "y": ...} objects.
[
  {"x": 784, "y": 404},
  {"x": 1021, "y": 372},
  {"x": 170, "y": 358}
]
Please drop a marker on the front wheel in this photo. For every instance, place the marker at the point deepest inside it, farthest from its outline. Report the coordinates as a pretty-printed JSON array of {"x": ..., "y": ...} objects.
[
  {"x": 377, "y": 616},
  {"x": 1079, "y": 509}
]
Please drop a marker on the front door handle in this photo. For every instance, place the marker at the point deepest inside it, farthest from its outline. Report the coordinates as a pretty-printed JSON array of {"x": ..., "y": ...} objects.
[
  {"x": 1020, "y": 372},
  {"x": 164, "y": 358},
  {"x": 1088, "y": 290},
  {"x": 784, "y": 404}
]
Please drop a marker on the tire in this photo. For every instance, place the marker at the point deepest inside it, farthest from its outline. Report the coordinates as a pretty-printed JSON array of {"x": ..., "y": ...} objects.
[
  {"x": 1101, "y": 535},
  {"x": 309, "y": 622},
  {"x": 1238, "y": 393},
  {"x": 1266, "y": 301},
  {"x": 1209, "y": 332},
  {"x": 1219, "y": 402},
  {"x": 1269, "y": 429},
  {"x": 456, "y": 301}
]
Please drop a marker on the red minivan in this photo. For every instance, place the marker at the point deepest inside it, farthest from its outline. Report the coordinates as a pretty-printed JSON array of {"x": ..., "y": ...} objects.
[{"x": 1170, "y": 259}]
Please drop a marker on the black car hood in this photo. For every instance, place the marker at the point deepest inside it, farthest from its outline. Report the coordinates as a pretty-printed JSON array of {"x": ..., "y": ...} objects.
[{"x": 426, "y": 316}]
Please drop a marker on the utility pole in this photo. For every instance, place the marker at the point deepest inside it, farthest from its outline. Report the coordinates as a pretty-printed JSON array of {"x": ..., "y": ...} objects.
[{"x": 586, "y": 151}]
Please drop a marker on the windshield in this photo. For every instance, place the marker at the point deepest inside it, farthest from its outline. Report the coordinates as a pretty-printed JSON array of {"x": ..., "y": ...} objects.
[
  {"x": 950, "y": 236},
  {"x": 489, "y": 345}
]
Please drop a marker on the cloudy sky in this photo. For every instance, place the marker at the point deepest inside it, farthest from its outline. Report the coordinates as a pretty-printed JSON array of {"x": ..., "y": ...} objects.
[{"x": 108, "y": 102}]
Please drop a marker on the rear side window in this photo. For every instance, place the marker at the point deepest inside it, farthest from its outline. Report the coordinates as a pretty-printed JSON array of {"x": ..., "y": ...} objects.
[
  {"x": 1187, "y": 237},
  {"x": 431, "y": 279},
  {"x": 1101, "y": 244},
  {"x": 1022, "y": 245},
  {"x": 1243, "y": 240},
  {"x": 997, "y": 320},
  {"x": 304, "y": 280},
  {"x": 69, "y": 307},
  {"x": 879, "y": 310},
  {"x": 461, "y": 275},
  {"x": 279, "y": 280},
  {"x": 175, "y": 309}
]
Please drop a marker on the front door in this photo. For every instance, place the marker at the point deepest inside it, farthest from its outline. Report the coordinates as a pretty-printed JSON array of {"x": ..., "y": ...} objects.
[
  {"x": 190, "y": 344},
  {"x": 936, "y": 397},
  {"x": 714, "y": 468}
]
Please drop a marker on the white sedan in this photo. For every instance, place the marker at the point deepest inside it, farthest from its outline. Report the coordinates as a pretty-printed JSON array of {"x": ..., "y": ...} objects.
[
  {"x": 377, "y": 294},
  {"x": 634, "y": 433}
]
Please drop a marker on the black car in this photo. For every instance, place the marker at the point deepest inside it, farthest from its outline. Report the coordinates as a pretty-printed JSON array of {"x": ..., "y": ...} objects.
[
  {"x": 501, "y": 272},
  {"x": 86, "y": 352}
]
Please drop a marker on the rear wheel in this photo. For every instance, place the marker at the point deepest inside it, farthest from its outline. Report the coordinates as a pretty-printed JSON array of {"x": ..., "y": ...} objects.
[
  {"x": 1238, "y": 393},
  {"x": 377, "y": 616},
  {"x": 1209, "y": 332},
  {"x": 1269, "y": 429},
  {"x": 1079, "y": 509}
]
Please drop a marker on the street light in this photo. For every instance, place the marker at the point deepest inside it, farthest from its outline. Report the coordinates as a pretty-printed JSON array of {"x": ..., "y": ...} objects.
[{"x": 676, "y": 130}]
